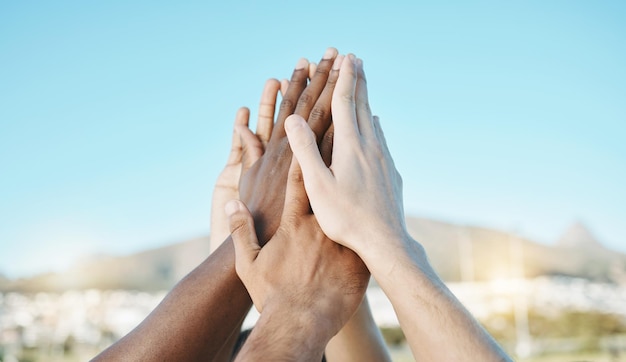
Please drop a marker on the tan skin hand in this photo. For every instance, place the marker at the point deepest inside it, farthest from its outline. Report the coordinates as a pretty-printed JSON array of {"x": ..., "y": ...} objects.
[
  {"x": 299, "y": 268},
  {"x": 227, "y": 184}
]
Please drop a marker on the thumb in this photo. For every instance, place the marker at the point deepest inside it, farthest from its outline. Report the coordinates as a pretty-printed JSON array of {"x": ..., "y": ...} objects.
[
  {"x": 304, "y": 146},
  {"x": 243, "y": 234}
]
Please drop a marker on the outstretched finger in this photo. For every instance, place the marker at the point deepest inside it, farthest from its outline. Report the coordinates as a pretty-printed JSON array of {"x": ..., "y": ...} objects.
[
  {"x": 326, "y": 146},
  {"x": 243, "y": 234},
  {"x": 251, "y": 147},
  {"x": 380, "y": 135},
  {"x": 304, "y": 147},
  {"x": 284, "y": 84},
  {"x": 312, "y": 69},
  {"x": 267, "y": 107},
  {"x": 309, "y": 97},
  {"x": 236, "y": 151},
  {"x": 290, "y": 98},
  {"x": 344, "y": 102},
  {"x": 320, "y": 116},
  {"x": 296, "y": 200},
  {"x": 363, "y": 111}
]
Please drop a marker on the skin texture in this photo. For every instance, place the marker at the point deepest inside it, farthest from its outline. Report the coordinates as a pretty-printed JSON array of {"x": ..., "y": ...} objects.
[
  {"x": 360, "y": 339},
  {"x": 433, "y": 320},
  {"x": 201, "y": 312},
  {"x": 227, "y": 184},
  {"x": 243, "y": 141},
  {"x": 305, "y": 286}
]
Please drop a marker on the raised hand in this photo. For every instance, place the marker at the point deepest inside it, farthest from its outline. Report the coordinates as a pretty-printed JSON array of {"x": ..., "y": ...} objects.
[
  {"x": 262, "y": 185},
  {"x": 358, "y": 203},
  {"x": 243, "y": 141},
  {"x": 300, "y": 277},
  {"x": 362, "y": 185}
]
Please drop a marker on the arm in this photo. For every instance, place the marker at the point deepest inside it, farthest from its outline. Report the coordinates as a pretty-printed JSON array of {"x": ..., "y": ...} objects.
[
  {"x": 201, "y": 312},
  {"x": 359, "y": 340},
  {"x": 305, "y": 286},
  {"x": 434, "y": 321},
  {"x": 227, "y": 184}
]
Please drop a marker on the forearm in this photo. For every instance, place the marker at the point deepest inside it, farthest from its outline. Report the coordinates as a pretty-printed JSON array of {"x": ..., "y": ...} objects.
[
  {"x": 194, "y": 320},
  {"x": 283, "y": 334},
  {"x": 359, "y": 340},
  {"x": 436, "y": 324}
]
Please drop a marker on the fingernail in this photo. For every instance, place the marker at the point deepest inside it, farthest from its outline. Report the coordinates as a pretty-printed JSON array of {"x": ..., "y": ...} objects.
[
  {"x": 359, "y": 63},
  {"x": 302, "y": 63},
  {"x": 231, "y": 207},
  {"x": 292, "y": 122},
  {"x": 337, "y": 63},
  {"x": 330, "y": 53},
  {"x": 352, "y": 58}
]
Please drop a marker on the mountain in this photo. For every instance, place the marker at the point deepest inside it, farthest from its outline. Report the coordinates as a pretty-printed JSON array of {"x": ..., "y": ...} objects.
[{"x": 457, "y": 252}]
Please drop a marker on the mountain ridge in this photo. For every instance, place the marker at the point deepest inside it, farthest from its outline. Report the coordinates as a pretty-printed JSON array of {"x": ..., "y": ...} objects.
[{"x": 457, "y": 253}]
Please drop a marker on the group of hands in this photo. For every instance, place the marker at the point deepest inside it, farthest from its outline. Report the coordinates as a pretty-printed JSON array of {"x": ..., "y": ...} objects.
[{"x": 310, "y": 204}]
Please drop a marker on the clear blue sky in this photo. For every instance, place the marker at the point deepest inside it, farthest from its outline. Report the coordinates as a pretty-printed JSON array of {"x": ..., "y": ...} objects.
[{"x": 115, "y": 116}]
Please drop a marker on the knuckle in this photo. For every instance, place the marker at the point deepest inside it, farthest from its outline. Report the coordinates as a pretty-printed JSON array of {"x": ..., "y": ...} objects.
[
  {"x": 238, "y": 224},
  {"x": 287, "y": 105},
  {"x": 347, "y": 98},
  {"x": 305, "y": 99},
  {"x": 319, "y": 113},
  {"x": 332, "y": 79}
]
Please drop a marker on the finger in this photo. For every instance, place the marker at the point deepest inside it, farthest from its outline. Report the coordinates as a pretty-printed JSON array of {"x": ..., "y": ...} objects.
[
  {"x": 251, "y": 147},
  {"x": 312, "y": 92},
  {"x": 380, "y": 135},
  {"x": 312, "y": 69},
  {"x": 326, "y": 146},
  {"x": 284, "y": 84},
  {"x": 304, "y": 148},
  {"x": 290, "y": 99},
  {"x": 343, "y": 102},
  {"x": 320, "y": 116},
  {"x": 363, "y": 111},
  {"x": 241, "y": 119},
  {"x": 243, "y": 234},
  {"x": 265, "y": 122},
  {"x": 296, "y": 200}
]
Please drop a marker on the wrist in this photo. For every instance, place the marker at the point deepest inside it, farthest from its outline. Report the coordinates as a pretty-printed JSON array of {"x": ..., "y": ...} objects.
[
  {"x": 385, "y": 258},
  {"x": 286, "y": 334}
]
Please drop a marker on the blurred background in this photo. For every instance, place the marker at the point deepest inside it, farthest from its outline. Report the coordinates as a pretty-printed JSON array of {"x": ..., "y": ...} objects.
[{"x": 507, "y": 121}]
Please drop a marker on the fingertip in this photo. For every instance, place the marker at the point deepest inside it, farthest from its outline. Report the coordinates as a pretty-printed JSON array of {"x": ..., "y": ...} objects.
[
  {"x": 330, "y": 53},
  {"x": 294, "y": 122},
  {"x": 338, "y": 61},
  {"x": 243, "y": 116},
  {"x": 232, "y": 207},
  {"x": 272, "y": 82},
  {"x": 352, "y": 58},
  {"x": 302, "y": 63},
  {"x": 284, "y": 85}
]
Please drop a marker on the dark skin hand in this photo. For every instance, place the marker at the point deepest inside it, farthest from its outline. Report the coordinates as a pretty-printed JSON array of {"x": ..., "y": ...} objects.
[
  {"x": 262, "y": 186},
  {"x": 204, "y": 309}
]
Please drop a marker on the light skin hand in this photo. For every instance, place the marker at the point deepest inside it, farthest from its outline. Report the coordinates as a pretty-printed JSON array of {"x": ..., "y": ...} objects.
[
  {"x": 299, "y": 271},
  {"x": 436, "y": 324},
  {"x": 361, "y": 165}
]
